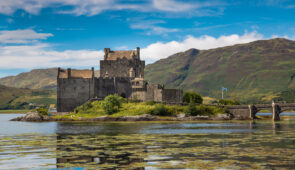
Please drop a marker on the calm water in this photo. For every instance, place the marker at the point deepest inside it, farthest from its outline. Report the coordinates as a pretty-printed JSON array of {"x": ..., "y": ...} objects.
[{"x": 142, "y": 145}]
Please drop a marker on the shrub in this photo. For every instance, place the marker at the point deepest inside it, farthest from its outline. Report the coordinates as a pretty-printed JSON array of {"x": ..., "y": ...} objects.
[
  {"x": 160, "y": 110},
  {"x": 191, "y": 109},
  {"x": 151, "y": 102},
  {"x": 188, "y": 96},
  {"x": 42, "y": 111},
  {"x": 175, "y": 109},
  {"x": 228, "y": 102},
  {"x": 111, "y": 104},
  {"x": 85, "y": 107}
]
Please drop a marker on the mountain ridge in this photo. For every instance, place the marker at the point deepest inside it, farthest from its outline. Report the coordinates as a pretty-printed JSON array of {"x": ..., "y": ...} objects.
[
  {"x": 20, "y": 98},
  {"x": 253, "y": 71}
]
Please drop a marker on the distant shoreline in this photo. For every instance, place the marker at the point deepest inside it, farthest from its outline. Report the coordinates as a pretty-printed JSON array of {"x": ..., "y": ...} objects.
[
  {"x": 13, "y": 111},
  {"x": 35, "y": 117}
]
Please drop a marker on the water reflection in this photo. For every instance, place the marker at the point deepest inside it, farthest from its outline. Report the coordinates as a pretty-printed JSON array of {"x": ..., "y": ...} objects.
[
  {"x": 90, "y": 155},
  {"x": 254, "y": 144}
]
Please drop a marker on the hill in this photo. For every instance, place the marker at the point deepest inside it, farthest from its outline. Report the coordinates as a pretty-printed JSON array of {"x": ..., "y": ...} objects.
[
  {"x": 19, "y": 98},
  {"x": 35, "y": 79},
  {"x": 255, "y": 71}
]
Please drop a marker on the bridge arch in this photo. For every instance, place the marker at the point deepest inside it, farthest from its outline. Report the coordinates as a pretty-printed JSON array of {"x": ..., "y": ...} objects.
[{"x": 259, "y": 110}]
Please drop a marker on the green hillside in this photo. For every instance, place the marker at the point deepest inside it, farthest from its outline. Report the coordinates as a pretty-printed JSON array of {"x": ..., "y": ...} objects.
[
  {"x": 20, "y": 98},
  {"x": 35, "y": 79},
  {"x": 256, "y": 71},
  {"x": 259, "y": 71}
]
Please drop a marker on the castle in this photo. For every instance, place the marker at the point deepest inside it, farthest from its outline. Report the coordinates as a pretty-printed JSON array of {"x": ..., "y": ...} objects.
[{"x": 121, "y": 72}]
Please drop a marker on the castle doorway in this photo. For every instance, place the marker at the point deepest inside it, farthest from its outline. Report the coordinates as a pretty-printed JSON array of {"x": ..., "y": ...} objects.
[{"x": 123, "y": 95}]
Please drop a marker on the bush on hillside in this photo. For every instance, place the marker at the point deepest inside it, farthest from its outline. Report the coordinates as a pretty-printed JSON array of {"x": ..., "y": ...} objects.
[
  {"x": 42, "y": 111},
  {"x": 112, "y": 103},
  {"x": 191, "y": 109},
  {"x": 228, "y": 102},
  {"x": 188, "y": 96},
  {"x": 151, "y": 102},
  {"x": 160, "y": 110},
  {"x": 85, "y": 107}
]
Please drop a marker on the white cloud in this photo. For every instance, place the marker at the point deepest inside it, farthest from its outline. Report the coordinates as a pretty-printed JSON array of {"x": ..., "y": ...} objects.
[
  {"x": 79, "y": 7},
  {"x": 190, "y": 8},
  {"x": 281, "y": 36},
  {"x": 161, "y": 50},
  {"x": 31, "y": 6},
  {"x": 94, "y": 7},
  {"x": 22, "y": 36},
  {"x": 173, "y": 6},
  {"x": 41, "y": 55}
]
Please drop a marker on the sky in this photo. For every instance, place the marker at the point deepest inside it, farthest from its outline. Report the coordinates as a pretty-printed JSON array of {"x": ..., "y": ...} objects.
[{"x": 73, "y": 33}]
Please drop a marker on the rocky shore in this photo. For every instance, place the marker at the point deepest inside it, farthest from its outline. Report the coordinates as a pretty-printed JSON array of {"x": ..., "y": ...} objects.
[{"x": 35, "y": 117}]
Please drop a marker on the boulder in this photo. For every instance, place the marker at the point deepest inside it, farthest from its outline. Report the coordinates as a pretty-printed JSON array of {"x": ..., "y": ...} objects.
[
  {"x": 21, "y": 118},
  {"x": 34, "y": 117},
  {"x": 147, "y": 117},
  {"x": 181, "y": 115},
  {"x": 222, "y": 117},
  {"x": 200, "y": 118}
]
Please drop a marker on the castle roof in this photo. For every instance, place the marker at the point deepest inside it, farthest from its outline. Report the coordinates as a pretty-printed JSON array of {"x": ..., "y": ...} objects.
[
  {"x": 114, "y": 55},
  {"x": 75, "y": 73}
]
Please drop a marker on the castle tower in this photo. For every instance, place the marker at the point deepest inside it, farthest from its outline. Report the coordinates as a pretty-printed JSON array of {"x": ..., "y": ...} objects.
[{"x": 122, "y": 64}]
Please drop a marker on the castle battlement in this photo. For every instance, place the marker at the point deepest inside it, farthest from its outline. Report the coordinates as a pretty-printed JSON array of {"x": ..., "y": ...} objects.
[{"x": 121, "y": 72}]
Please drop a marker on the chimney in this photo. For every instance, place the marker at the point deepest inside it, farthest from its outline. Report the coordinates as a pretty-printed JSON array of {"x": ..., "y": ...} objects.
[
  {"x": 58, "y": 70},
  {"x": 106, "y": 52},
  {"x": 92, "y": 69},
  {"x": 138, "y": 52},
  {"x": 69, "y": 73}
]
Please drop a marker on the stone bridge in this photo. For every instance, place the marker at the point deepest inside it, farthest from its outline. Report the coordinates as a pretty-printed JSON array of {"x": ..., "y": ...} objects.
[{"x": 249, "y": 111}]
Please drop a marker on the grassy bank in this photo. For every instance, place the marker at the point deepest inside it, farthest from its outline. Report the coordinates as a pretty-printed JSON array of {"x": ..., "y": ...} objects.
[
  {"x": 95, "y": 109},
  {"x": 14, "y": 111}
]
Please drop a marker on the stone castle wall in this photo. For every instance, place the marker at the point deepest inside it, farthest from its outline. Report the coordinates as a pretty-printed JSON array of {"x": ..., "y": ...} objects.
[
  {"x": 121, "y": 68},
  {"x": 172, "y": 95},
  {"x": 121, "y": 72},
  {"x": 73, "y": 92},
  {"x": 115, "y": 85}
]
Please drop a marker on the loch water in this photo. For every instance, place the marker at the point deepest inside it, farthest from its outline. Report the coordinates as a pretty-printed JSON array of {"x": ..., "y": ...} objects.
[{"x": 259, "y": 144}]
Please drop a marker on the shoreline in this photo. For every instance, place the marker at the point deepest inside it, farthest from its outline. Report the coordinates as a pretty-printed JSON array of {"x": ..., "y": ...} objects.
[
  {"x": 14, "y": 111},
  {"x": 35, "y": 117}
]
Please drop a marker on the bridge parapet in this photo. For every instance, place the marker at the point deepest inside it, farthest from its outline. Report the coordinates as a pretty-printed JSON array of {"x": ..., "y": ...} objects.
[{"x": 249, "y": 111}]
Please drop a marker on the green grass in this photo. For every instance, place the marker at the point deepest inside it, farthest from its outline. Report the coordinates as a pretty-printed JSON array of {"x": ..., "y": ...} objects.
[
  {"x": 14, "y": 111},
  {"x": 249, "y": 71},
  {"x": 94, "y": 109},
  {"x": 16, "y": 98}
]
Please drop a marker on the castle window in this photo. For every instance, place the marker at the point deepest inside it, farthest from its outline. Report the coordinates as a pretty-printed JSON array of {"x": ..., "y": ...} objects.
[
  {"x": 137, "y": 83},
  {"x": 123, "y": 95}
]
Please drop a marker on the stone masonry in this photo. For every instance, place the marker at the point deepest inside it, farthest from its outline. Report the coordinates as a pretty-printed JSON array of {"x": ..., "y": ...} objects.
[{"x": 121, "y": 72}]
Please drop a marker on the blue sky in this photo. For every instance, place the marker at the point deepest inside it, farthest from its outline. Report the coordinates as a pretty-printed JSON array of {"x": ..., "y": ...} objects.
[{"x": 73, "y": 33}]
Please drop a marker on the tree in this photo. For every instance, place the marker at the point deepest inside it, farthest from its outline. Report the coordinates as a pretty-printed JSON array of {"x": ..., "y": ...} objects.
[
  {"x": 160, "y": 110},
  {"x": 191, "y": 108},
  {"x": 195, "y": 97},
  {"x": 228, "y": 102},
  {"x": 111, "y": 104}
]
